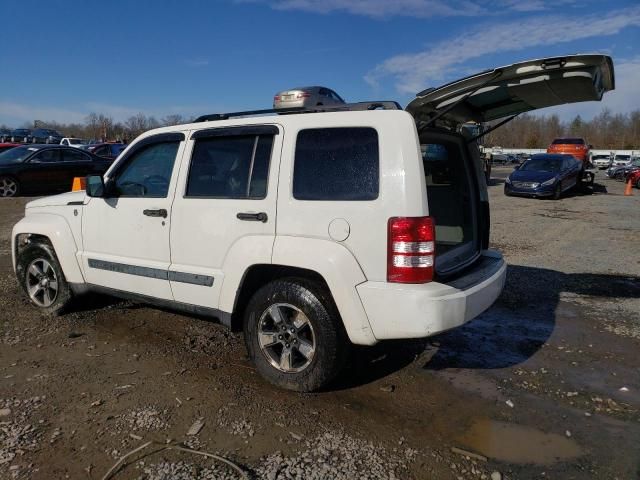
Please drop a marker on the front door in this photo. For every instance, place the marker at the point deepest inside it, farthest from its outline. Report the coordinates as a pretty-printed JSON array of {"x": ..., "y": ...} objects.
[{"x": 126, "y": 236}]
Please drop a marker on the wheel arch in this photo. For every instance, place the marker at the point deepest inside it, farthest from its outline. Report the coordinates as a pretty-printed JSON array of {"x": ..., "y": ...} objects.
[{"x": 54, "y": 231}]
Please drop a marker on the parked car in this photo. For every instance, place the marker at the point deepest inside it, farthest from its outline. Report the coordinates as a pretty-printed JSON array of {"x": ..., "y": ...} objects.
[
  {"x": 8, "y": 146},
  {"x": 621, "y": 160},
  {"x": 39, "y": 169},
  {"x": 306, "y": 97},
  {"x": 5, "y": 135},
  {"x": 544, "y": 175},
  {"x": 107, "y": 150},
  {"x": 601, "y": 161},
  {"x": 310, "y": 231},
  {"x": 74, "y": 142},
  {"x": 46, "y": 135},
  {"x": 21, "y": 135},
  {"x": 619, "y": 172},
  {"x": 578, "y": 147}
]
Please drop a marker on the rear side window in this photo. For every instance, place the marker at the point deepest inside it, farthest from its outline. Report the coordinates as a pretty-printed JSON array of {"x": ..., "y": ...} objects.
[
  {"x": 230, "y": 167},
  {"x": 336, "y": 164},
  {"x": 568, "y": 141}
]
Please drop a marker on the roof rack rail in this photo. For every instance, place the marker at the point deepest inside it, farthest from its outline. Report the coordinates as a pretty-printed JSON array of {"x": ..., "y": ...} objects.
[{"x": 347, "y": 107}]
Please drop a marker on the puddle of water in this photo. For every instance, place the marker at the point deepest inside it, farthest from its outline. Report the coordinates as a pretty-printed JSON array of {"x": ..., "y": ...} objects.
[{"x": 513, "y": 443}]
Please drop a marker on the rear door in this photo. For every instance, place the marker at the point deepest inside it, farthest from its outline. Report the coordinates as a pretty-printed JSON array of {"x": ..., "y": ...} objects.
[{"x": 224, "y": 212}]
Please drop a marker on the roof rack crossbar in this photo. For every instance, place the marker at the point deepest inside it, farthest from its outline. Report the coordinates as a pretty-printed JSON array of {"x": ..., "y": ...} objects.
[{"x": 347, "y": 107}]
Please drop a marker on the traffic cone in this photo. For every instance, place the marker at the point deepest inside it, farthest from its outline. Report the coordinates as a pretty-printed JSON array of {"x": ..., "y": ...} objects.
[
  {"x": 80, "y": 183},
  {"x": 627, "y": 190}
]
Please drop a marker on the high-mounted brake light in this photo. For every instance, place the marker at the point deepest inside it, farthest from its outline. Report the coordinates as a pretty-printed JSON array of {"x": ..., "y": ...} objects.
[{"x": 410, "y": 250}]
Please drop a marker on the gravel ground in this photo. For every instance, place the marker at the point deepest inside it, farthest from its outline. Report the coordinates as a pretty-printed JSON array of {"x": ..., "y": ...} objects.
[{"x": 544, "y": 384}]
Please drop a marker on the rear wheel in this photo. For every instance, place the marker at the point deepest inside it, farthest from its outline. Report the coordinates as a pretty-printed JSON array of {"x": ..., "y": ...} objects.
[
  {"x": 9, "y": 187},
  {"x": 294, "y": 334},
  {"x": 41, "y": 277}
]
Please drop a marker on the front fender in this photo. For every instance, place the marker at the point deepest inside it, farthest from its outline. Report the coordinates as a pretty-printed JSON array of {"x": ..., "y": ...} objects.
[{"x": 57, "y": 230}]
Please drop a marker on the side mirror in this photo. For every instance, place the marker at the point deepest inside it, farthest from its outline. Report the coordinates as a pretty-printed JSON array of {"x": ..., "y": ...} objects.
[{"x": 95, "y": 186}]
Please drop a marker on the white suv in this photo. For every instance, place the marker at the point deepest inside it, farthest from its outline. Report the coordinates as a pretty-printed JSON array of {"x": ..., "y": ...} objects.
[{"x": 310, "y": 231}]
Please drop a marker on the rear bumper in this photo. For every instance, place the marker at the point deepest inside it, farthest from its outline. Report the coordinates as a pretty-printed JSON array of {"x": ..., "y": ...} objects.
[{"x": 414, "y": 311}]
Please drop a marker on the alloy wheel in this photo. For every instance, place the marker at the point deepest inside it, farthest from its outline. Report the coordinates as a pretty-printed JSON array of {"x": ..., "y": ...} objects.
[
  {"x": 8, "y": 187},
  {"x": 42, "y": 282},
  {"x": 286, "y": 338}
]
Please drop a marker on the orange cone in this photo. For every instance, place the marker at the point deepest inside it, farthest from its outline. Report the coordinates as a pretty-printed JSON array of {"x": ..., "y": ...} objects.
[
  {"x": 79, "y": 183},
  {"x": 627, "y": 190}
]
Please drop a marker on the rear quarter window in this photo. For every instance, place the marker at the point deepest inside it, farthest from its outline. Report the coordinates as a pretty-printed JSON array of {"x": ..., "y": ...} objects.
[{"x": 336, "y": 164}]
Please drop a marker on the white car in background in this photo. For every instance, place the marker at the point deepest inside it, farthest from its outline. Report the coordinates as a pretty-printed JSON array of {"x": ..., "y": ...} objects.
[
  {"x": 601, "y": 161},
  {"x": 73, "y": 142}
]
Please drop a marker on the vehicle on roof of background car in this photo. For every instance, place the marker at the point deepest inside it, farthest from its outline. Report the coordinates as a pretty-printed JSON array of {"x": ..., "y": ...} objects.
[
  {"x": 544, "y": 175},
  {"x": 5, "y": 135},
  {"x": 74, "y": 142},
  {"x": 306, "y": 97},
  {"x": 578, "y": 147},
  {"x": 46, "y": 135},
  {"x": 21, "y": 135},
  {"x": 37, "y": 169}
]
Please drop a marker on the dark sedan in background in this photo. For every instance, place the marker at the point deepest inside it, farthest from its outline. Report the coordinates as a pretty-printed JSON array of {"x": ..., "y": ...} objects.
[
  {"x": 21, "y": 135},
  {"x": 544, "y": 175},
  {"x": 107, "y": 150},
  {"x": 43, "y": 169},
  {"x": 5, "y": 135},
  {"x": 46, "y": 135}
]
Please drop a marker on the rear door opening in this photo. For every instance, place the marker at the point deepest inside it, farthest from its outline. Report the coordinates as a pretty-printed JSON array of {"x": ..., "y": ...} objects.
[{"x": 452, "y": 192}]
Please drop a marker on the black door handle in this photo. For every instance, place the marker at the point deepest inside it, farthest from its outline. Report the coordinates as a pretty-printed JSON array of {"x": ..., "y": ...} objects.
[
  {"x": 253, "y": 217},
  {"x": 156, "y": 213}
]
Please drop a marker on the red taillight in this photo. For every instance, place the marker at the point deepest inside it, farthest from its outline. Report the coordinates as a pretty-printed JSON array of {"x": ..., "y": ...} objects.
[
  {"x": 410, "y": 250},
  {"x": 303, "y": 95},
  {"x": 276, "y": 98}
]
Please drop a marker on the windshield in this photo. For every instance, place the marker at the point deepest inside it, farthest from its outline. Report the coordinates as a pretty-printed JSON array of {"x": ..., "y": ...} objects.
[
  {"x": 568, "y": 141},
  {"x": 542, "y": 165},
  {"x": 623, "y": 157},
  {"x": 16, "y": 155},
  {"x": 598, "y": 157}
]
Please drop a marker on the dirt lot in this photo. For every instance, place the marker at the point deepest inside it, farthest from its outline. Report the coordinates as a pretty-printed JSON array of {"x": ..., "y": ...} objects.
[{"x": 546, "y": 384}]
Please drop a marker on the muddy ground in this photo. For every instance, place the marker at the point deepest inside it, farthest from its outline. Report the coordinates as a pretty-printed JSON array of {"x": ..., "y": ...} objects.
[{"x": 545, "y": 384}]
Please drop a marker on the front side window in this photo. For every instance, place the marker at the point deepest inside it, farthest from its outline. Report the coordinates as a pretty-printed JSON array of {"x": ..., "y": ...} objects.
[
  {"x": 336, "y": 164},
  {"x": 230, "y": 167},
  {"x": 147, "y": 172}
]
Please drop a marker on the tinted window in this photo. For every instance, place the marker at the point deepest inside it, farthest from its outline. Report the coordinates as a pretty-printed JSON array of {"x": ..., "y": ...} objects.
[
  {"x": 568, "y": 141},
  {"x": 147, "y": 172},
  {"x": 336, "y": 164},
  {"x": 74, "y": 156},
  {"x": 46, "y": 156},
  {"x": 230, "y": 167},
  {"x": 102, "y": 151}
]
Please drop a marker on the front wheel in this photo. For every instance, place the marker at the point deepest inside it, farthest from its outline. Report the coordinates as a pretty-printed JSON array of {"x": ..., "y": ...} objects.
[
  {"x": 557, "y": 192},
  {"x": 41, "y": 277},
  {"x": 294, "y": 334},
  {"x": 9, "y": 187}
]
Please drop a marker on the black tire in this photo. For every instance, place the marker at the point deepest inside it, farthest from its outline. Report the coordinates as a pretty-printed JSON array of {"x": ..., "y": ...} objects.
[
  {"x": 557, "y": 192},
  {"x": 33, "y": 254},
  {"x": 5, "y": 186},
  {"x": 331, "y": 343},
  {"x": 33, "y": 140},
  {"x": 506, "y": 192}
]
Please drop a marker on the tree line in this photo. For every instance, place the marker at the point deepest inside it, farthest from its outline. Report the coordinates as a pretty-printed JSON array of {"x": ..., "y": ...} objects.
[
  {"x": 606, "y": 131},
  {"x": 97, "y": 126}
]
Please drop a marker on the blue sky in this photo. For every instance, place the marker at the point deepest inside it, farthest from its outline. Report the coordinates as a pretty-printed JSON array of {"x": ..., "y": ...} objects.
[{"x": 65, "y": 59}]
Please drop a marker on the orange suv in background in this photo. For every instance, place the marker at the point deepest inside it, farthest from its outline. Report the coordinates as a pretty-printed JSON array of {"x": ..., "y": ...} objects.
[{"x": 578, "y": 147}]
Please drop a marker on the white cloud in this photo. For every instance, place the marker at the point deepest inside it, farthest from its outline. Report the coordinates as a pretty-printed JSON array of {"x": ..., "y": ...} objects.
[
  {"x": 378, "y": 8},
  {"x": 413, "y": 8},
  {"x": 415, "y": 71}
]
